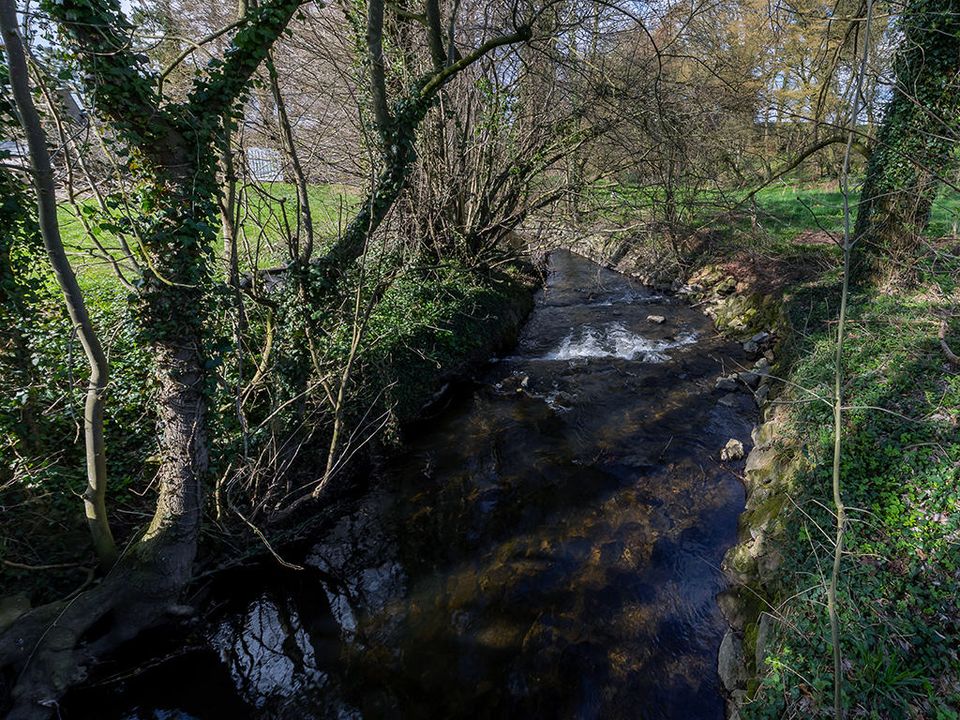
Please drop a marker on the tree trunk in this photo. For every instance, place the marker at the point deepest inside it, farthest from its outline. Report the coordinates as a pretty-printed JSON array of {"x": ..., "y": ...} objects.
[
  {"x": 94, "y": 496},
  {"x": 185, "y": 456},
  {"x": 917, "y": 137},
  {"x": 303, "y": 249},
  {"x": 174, "y": 315},
  {"x": 51, "y": 648}
]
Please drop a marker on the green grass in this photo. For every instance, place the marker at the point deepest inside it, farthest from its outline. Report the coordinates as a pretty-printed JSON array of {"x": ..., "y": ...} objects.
[
  {"x": 265, "y": 225},
  {"x": 900, "y": 590},
  {"x": 780, "y": 213},
  {"x": 785, "y": 212}
]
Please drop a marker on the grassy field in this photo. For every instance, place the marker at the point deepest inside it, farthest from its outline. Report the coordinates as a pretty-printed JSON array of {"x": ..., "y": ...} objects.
[
  {"x": 780, "y": 212},
  {"x": 264, "y": 226},
  {"x": 785, "y": 212}
]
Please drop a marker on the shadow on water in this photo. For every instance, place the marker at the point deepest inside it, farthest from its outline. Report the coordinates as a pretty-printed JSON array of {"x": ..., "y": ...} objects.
[{"x": 548, "y": 547}]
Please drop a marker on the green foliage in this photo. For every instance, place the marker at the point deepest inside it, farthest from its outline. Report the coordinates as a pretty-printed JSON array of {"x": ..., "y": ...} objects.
[
  {"x": 21, "y": 264},
  {"x": 429, "y": 324},
  {"x": 41, "y": 439},
  {"x": 418, "y": 327},
  {"x": 900, "y": 589}
]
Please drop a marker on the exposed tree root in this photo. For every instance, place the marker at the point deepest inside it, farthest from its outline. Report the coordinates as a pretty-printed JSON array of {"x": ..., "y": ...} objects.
[{"x": 52, "y": 648}]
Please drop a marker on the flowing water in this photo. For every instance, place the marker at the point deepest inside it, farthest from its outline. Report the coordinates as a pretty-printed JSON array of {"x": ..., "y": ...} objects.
[{"x": 549, "y": 547}]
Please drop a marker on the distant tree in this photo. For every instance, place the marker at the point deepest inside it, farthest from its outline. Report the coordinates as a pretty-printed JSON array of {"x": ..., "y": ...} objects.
[{"x": 510, "y": 138}]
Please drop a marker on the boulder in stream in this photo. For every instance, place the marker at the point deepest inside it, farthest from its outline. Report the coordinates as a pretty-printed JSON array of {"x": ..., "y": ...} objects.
[{"x": 733, "y": 450}]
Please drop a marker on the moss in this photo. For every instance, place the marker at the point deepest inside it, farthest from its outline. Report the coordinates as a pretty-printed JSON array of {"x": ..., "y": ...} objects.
[
  {"x": 766, "y": 512},
  {"x": 745, "y": 314}
]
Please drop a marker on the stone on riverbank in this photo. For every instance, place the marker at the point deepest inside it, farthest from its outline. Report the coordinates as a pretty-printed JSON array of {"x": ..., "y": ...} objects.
[{"x": 733, "y": 450}]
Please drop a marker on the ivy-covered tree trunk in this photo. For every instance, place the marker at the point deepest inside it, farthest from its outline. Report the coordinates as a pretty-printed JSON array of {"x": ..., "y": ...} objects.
[
  {"x": 397, "y": 124},
  {"x": 916, "y": 143},
  {"x": 172, "y": 150},
  {"x": 171, "y": 146},
  {"x": 173, "y": 310}
]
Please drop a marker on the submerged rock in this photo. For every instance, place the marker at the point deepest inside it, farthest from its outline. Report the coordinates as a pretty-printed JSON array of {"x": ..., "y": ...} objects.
[
  {"x": 730, "y": 661},
  {"x": 11, "y": 608},
  {"x": 733, "y": 450},
  {"x": 727, "y": 384},
  {"x": 762, "y": 393}
]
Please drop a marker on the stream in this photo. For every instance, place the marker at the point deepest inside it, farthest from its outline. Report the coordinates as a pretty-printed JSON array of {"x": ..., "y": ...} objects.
[{"x": 548, "y": 547}]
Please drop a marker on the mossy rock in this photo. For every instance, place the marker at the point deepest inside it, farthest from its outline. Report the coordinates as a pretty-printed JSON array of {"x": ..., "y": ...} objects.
[
  {"x": 766, "y": 513},
  {"x": 744, "y": 315}
]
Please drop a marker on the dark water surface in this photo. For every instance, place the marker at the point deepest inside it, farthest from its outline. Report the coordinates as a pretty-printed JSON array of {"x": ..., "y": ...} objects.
[{"x": 549, "y": 547}]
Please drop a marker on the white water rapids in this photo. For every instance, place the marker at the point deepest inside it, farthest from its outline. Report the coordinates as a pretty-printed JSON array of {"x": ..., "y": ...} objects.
[{"x": 615, "y": 341}]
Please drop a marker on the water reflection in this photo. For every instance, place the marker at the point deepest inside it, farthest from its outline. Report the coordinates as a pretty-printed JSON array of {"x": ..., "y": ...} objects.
[
  {"x": 549, "y": 548},
  {"x": 560, "y": 530}
]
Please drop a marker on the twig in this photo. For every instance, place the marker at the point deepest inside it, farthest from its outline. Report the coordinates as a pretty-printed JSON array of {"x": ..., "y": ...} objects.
[
  {"x": 51, "y": 566},
  {"x": 848, "y": 242}
]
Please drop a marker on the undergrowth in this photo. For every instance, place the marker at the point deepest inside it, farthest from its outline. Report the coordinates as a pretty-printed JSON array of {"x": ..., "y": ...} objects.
[
  {"x": 430, "y": 324},
  {"x": 899, "y": 595}
]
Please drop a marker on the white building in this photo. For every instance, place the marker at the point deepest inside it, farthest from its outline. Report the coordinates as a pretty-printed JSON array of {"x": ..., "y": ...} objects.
[{"x": 265, "y": 165}]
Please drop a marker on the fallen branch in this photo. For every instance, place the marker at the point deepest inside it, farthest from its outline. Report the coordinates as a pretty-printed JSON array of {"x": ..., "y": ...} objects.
[{"x": 53, "y": 566}]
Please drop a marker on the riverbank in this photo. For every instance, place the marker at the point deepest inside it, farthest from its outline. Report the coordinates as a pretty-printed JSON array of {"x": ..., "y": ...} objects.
[
  {"x": 433, "y": 326},
  {"x": 898, "y": 593},
  {"x": 901, "y": 573}
]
